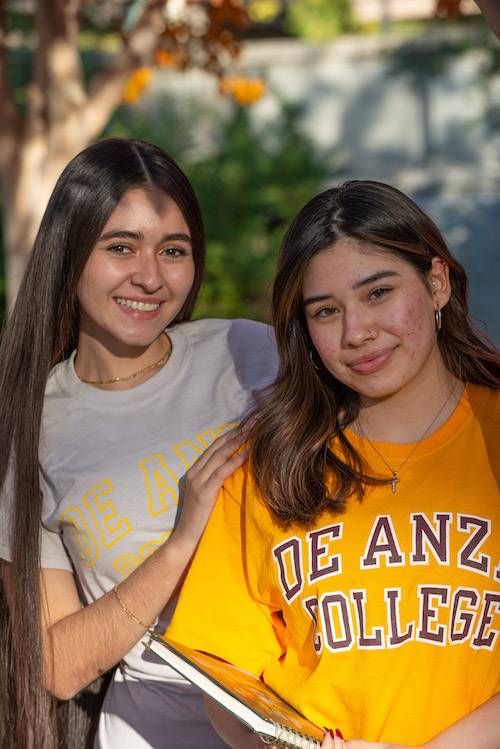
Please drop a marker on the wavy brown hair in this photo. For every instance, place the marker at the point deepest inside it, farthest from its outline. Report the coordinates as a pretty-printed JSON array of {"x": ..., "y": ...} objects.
[
  {"x": 297, "y": 469},
  {"x": 41, "y": 331}
]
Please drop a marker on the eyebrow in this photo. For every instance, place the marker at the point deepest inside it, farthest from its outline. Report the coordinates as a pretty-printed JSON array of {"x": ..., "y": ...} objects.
[
  {"x": 127, "y": 234},
  {"x": 373, "y": 278},
  {"x": 358, "y": 285}
]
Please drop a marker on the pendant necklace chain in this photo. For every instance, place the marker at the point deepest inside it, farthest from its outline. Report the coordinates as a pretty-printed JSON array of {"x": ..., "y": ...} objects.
[
  {"x": 394, "y": 480},
  {"x": 158, "y": 363}
]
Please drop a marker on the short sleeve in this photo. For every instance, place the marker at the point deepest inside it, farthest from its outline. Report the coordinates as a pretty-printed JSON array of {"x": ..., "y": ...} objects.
[
  {"x": 252, "y": 348},
  {"x": 53, "y": 551},
  {"x": 220, "y": 609}
]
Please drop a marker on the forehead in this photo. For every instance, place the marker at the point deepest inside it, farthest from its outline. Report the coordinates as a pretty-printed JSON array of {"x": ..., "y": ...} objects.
[
  {"x": 148, "y": 204},
  {"x": 347, "y": 264},
  {"x": 353, "y": 257}
]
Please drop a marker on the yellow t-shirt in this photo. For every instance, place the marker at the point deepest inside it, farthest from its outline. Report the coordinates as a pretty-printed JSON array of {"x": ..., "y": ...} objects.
[{"x": 383, "y": 621}]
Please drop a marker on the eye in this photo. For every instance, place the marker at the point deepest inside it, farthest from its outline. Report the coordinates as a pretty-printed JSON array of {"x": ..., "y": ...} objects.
[
  {"x": 174, "y": 252},
  {"x": 119, "y": 249},
  {"x": 326, "y": 312},
  {"x": 379, "y": 293}
]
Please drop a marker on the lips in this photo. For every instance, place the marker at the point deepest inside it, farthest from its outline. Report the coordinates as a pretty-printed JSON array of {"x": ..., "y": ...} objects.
[{"x": 371, "y": 362}]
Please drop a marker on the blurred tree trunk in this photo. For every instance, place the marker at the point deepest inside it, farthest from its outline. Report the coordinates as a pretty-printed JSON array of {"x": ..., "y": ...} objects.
[{"x": 62, "y": 115}]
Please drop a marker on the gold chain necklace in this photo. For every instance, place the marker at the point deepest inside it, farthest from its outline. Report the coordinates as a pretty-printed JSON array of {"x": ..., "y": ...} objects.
[
  {"x": 394, "y": 480},
  {"x": 159, "y": 363}
]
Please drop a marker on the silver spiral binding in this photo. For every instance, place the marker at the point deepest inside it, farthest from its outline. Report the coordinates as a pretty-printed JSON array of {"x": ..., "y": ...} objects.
[{"x": 287, "y": 737}]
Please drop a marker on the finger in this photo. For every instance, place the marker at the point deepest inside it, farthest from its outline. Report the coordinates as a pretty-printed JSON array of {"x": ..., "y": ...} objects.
[
  {"x": 226, "y": 469},
  {"x": 328, "y": 741},
  {"x": 210, "y": 480},
  {"x": 219, "y": 451},
  {"x": 247, "y": 426}
]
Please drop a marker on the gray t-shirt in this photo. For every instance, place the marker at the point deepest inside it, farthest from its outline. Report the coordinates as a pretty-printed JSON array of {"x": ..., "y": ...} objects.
[{"x": 113, "y": 465}]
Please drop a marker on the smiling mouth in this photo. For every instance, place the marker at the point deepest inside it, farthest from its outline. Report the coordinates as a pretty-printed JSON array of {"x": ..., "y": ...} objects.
[
  {"x": 138, "y": 306},
  {"x": 371, "y": 362}
]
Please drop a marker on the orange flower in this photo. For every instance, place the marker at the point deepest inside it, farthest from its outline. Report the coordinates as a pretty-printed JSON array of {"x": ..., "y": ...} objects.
[
  {"x": 244, "y": 90},
  {"x": 137, "y": 83},
  {"x": 164, "y": 58}
]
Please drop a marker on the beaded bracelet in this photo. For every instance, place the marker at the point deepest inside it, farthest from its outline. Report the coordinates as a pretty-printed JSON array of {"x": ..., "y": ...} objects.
[{"x": 126, "y": 610}]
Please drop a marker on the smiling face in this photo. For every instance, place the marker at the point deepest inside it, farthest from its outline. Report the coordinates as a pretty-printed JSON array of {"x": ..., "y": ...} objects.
[
  {"x": 370, "y": 316},
  {"x": 138, "y": 275}
]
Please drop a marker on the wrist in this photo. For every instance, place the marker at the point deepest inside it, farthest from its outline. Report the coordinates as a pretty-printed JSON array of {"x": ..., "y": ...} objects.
[
  {"x": 179, "y": 548},
  {"x": 129, "y": 613}
]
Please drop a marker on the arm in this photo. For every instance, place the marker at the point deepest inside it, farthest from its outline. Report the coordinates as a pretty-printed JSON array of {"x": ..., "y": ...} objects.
[
  {"x": 82, "y": 643},
  {"x": 480, "y": 729}
]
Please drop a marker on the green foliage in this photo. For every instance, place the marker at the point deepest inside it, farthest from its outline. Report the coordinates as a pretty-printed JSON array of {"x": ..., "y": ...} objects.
[
  {"x": 248, "y": 196},
  {"x": 250, "y": 185},
  {"x": 318, "y": 19},
  {"x": 249, "y": 188}
]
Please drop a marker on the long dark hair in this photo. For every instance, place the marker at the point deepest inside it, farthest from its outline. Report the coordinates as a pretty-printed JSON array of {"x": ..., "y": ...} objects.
[
  {"x": 296, "y": 469},
  {"x": 41, "y": 331}
]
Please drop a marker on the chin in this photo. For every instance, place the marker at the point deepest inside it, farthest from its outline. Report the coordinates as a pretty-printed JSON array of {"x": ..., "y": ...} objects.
[{"x": 383, "y": 390}]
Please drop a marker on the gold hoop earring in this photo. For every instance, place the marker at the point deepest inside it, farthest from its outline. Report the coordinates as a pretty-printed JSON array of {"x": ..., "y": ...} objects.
[
  {"x": 438, "y": 315},
  {"x": 311, "y": 357}
]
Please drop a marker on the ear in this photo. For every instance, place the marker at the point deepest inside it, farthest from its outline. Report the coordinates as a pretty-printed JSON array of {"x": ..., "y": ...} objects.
[{"x": 439, "y": 280}]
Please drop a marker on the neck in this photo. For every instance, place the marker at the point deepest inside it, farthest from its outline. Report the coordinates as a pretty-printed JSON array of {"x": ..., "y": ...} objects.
[
  {"x": 95, "y": 362},
  {"x": 405, "y": 419}
]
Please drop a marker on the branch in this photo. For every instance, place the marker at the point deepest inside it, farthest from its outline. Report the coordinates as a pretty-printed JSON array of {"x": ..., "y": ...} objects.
[
  {"x": 107, "y": 87},
  {"x": 57, "y": 91}
]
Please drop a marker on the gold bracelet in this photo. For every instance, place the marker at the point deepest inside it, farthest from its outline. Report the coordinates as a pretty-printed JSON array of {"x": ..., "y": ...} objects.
[{"x": 132, "y": 616}]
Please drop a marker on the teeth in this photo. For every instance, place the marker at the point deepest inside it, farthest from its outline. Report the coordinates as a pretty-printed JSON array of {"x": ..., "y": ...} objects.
[{"x": 140, "y": 306}]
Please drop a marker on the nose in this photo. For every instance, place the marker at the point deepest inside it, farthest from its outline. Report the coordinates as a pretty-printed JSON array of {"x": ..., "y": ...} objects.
[
  {"x": 357, "y": 328},
  {"x": 146, "y": 273}
]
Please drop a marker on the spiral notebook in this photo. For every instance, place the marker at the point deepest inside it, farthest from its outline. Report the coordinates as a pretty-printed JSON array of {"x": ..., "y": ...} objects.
[{"x": 242, "y": 694}]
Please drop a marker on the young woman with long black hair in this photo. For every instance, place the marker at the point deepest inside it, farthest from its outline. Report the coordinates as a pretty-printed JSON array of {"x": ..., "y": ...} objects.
[{"x": 107, "y": 396}]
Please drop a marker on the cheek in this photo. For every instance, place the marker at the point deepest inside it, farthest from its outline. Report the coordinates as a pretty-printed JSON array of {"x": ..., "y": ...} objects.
[
  {"x": 181, "y": 279},
  {"x": 84, "y": 286},
  {"x": 84, "y": 282},
  {"x": 325, "y": 342},
  {"x": 100, "y": 276},
  {"x": 189, "y": 279},
  {"x": 414, "y": 323}
]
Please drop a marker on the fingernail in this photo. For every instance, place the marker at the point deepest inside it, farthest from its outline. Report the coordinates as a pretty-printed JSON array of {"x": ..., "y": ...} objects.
[
  {"x": 339, "y": 734},
  {"x": 331, "y": 733}
]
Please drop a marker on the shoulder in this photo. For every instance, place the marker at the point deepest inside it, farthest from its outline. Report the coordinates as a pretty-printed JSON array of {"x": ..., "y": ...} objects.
[
  {"x": 246, "y": 346},
  {"x": 240, "y": 490},
  {"x": 239, "y": 331},
  {"x": 61, "y": 378},
  {"x": 485, "y": 403},
  {"x": 244, "y": 334},
  {"x": 485, "y": 406}
]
